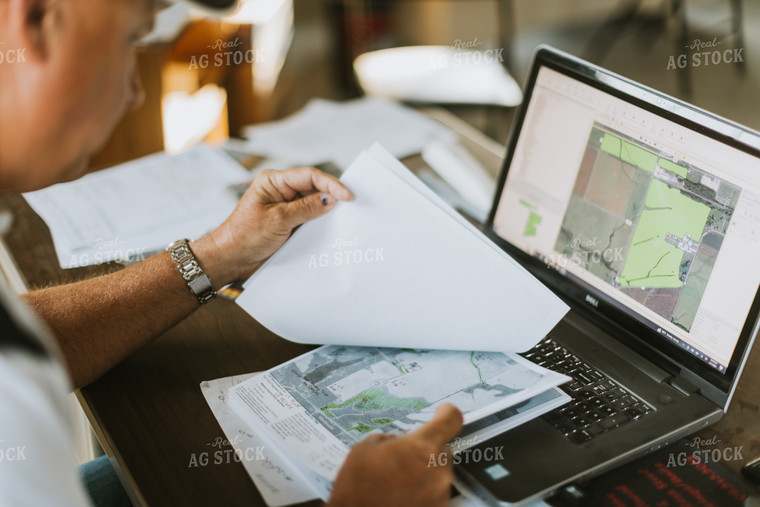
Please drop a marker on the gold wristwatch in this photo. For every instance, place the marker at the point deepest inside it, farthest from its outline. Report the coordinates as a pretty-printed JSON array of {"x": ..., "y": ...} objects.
[{"x": 197, "y": 281}]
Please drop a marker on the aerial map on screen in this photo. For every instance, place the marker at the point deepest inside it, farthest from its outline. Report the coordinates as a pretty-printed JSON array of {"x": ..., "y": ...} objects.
[{"x": 647, "y": 225}]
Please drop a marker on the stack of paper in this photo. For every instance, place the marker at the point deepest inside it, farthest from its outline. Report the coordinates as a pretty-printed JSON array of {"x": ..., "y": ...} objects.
[
  {"x": 398, "y": 267},
  {"x": 325, "y": 131},
  {"x": 133, "y": 210}
]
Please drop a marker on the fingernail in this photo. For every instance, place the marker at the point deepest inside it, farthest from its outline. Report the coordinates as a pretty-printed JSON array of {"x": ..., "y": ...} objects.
[{"x": 327, "y": 199}]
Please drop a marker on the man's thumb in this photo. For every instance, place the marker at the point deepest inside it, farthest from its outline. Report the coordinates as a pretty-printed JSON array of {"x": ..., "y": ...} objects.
[
  {"x": 308, "y": 208},
  {"x": 445, "y": 425}
]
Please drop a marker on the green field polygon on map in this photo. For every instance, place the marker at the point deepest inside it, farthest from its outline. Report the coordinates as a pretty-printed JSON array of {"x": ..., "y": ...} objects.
[{"x": 652, "y": 261}]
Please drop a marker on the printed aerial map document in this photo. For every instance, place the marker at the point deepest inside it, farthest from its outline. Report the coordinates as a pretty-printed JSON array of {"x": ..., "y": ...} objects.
[{"x": 319, "y": 404}]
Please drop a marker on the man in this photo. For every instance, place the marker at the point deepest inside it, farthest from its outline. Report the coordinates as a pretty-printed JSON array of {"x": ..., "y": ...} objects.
[{"x": 58, "y": 102}]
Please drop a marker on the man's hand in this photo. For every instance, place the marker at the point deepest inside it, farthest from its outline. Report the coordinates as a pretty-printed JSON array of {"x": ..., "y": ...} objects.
[
  {"x": 386, "y": 470},
  {"x": 275, "y": 204}
]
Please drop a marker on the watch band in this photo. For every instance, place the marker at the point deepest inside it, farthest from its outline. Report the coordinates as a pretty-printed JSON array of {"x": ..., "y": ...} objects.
[{"x": 197, "y": 281}]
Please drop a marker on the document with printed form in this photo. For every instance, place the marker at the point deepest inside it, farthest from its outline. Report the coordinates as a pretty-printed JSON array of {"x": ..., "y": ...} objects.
[{"x": 130, "y": 211}]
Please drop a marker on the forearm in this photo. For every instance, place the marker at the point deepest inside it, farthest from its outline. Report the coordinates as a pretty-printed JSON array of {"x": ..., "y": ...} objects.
[{"x": 101, "y": 321}]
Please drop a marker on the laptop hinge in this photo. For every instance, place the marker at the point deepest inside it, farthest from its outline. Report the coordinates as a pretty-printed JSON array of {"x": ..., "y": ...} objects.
[{"x": 682, "y": 385}]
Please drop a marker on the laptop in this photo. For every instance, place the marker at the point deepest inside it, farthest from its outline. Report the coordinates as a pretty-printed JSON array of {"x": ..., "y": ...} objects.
[{"x": 643, "y": 213}]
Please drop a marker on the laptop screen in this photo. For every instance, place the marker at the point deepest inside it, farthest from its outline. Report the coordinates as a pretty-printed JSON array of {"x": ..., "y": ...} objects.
[{"x": 655, "y": 219}]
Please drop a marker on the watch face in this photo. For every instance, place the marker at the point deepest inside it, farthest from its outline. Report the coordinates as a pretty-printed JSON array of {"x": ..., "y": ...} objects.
[{"x": 200, "y": 284}]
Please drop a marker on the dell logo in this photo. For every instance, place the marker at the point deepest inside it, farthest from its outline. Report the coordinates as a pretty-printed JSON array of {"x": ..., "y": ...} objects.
[{"x": 592, "y": 301}]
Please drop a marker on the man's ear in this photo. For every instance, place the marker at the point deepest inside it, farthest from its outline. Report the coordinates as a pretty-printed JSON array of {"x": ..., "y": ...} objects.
[{"x": 35, "y": 23}]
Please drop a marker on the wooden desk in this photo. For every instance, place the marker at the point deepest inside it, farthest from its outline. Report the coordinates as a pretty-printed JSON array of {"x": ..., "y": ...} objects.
[{"x": 150, "y": 415}]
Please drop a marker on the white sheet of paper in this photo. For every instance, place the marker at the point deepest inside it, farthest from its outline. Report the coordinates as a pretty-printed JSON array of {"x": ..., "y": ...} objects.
[
  {"x": 337, "y": 132},
  {"x": 279, "y": 480},
  {"x": 398, "y": 267},
  {"x": 136, "y": 208}
]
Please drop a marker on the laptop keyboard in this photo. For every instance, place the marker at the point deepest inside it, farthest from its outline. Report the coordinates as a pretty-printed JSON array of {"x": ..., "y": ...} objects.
[{"x": 599, "y": 404}]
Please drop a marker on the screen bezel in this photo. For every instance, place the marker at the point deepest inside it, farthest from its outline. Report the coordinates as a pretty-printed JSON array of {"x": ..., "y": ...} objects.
[{"x": 632, "y": 332}]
